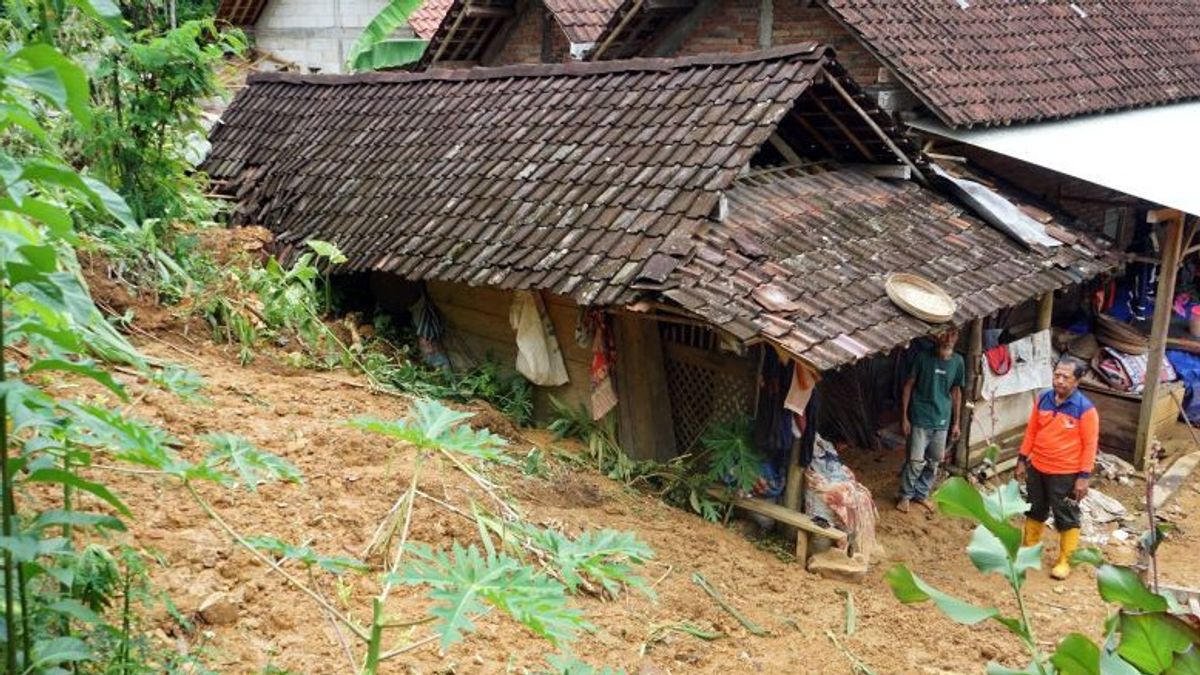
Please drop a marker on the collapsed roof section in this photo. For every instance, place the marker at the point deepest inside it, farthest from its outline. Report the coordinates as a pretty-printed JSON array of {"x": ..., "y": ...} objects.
[
  {"x": 802, "y": 259},
  {"x": 612, "y": 181}
]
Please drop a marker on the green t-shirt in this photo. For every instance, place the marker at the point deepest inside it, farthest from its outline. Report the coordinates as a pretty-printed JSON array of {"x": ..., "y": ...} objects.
[{"x": 929, "y": 405}]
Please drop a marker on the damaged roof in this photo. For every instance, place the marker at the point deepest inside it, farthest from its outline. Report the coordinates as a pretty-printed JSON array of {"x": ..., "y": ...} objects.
[
  {"x": 567, "y": 178},
  {"x": 802, "y": 259},
  {"x": 615, "y": 181},
  {"x": 989, "y": 62}
]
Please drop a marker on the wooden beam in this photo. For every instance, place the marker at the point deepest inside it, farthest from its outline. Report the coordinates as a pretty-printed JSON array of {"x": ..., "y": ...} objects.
[
  {"x": 782, "y": 514},
  {"x": 899, "y": 171},
  {"x": 887, "y": 140},
  {"x": 643, "y": 411},
  {"x": 784, "y": 149},
  {"x": 974, "y": 384},
  {"x": 766, "y": 23},
  {"x": 850, "y": 135},
  {"x": 1158, "y": 334},
  {"x": 1045, "y": 315},
  {"x": 446, "y": 39},
  {"x": 488, "y": 12},
  {"x": 816, "y": 136},
  {"x": 1162, "y": 216},
  {"x": 600, "y": 49}
]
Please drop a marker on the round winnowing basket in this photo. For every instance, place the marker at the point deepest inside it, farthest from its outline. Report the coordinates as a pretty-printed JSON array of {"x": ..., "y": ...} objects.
[{"x": 920, "y": 297}]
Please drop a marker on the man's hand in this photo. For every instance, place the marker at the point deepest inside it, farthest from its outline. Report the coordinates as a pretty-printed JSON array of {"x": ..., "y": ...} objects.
[
  {"x": 905, "y": 426},
  {"x": 1020, "y": 470},
  {"x": 954, "y": 433},
  {"x": 1081, "y": 489}
]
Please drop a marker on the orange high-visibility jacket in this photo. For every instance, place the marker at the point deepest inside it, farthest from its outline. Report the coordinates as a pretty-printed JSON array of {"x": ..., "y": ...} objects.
[{"x": 1062, "y": 439}]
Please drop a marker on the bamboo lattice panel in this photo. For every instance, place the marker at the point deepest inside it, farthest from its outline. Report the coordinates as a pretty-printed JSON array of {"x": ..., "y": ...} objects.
[{"x": 706, "y": 387}]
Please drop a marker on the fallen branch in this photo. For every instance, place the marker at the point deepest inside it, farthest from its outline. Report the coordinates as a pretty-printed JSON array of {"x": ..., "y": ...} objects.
[{"x": 749, "y": 625}]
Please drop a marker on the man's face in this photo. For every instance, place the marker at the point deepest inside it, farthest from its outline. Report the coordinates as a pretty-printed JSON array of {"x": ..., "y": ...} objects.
[
  {"x": 947, "y": 339},
  {"x": 1064, "y": 380}
]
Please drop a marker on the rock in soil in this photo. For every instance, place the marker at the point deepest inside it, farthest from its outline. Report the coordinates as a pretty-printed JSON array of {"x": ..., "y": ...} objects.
[
  {"x": 218, "y": 610},
  {"x": 835, "y": 564}
]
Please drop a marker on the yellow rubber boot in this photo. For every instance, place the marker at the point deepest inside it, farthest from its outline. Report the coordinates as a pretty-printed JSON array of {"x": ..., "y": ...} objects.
[
  {"x": 1033, "y": 532},
  {"x": 1068, "y": 541}
]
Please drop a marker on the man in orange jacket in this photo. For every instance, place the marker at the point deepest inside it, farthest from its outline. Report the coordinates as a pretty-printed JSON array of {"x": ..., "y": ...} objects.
[{"x": 1056, "y": 460}]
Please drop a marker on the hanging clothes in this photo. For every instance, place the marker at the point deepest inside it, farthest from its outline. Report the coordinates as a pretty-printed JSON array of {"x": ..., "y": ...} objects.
[{"x": 593, "y": 330}]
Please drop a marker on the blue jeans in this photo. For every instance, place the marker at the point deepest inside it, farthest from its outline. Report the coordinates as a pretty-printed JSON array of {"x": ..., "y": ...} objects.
[{"x": 926, "y": 448}]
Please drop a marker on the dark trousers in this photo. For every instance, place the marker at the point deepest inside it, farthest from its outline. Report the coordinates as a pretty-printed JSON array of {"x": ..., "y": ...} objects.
[{"x": 1051, "y": 493}]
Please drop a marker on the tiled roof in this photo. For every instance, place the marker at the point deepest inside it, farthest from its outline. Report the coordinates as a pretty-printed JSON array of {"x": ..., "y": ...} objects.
[
  {"x": 576, "y": 179},
  {"x": 604, "y": 182},
  {"x": 582, "y": 20},
  {"x": 987, "y": 62},
  {"x": 801, "y": 260},
  {"x": 428, "y": 16}
]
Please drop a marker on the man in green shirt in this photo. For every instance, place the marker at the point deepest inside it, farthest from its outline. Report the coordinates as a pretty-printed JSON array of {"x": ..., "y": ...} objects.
[{"x": 930, "y": 405}]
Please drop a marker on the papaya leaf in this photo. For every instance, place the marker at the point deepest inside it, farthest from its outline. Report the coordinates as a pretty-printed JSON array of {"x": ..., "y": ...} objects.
[
  {"x": 337, "y": 564},
  {"x": 909, "y": 589},
  {"x": 466, "y": 584},
  {"x": 251, "y": 466}
]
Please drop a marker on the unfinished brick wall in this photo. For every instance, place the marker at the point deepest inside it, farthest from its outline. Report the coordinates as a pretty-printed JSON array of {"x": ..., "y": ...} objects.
[
  {"x": 733, "y": 27},
  {"x": 524, "y": 42}
]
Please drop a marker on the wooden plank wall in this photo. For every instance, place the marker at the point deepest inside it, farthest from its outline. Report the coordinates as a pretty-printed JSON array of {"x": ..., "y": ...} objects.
[{"x": 477, "y": 326}]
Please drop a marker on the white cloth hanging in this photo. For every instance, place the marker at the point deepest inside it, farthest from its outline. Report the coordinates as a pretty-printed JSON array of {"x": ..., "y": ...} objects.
[{"x": 539, "y": 357}]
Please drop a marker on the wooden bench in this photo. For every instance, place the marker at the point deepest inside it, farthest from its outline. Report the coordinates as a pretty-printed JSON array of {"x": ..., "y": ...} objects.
[{"x": 805, "y": 526}]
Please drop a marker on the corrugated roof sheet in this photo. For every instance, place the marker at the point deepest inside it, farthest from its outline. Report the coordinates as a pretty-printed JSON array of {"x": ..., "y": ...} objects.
[
  {"x": 802, "y": 259},
  {"x": 988, "y": 62}
]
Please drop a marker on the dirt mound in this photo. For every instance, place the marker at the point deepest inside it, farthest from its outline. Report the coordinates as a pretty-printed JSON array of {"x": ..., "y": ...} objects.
[{"x": 352, "y": 478}]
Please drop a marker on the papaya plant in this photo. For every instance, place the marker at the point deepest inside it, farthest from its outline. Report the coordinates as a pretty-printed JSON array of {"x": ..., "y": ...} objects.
[{"x": 1149, "y": 632}]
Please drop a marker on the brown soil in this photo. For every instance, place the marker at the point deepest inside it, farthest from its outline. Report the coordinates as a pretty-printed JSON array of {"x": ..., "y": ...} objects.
[{"x": 352, "y": 478}]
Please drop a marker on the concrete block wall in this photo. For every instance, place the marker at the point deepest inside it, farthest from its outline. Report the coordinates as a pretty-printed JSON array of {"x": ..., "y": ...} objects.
[{"x": 316, "y": 34}]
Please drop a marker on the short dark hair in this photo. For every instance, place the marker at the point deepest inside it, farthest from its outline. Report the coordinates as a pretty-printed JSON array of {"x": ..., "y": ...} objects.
[{"x": 1078, "y": 366}]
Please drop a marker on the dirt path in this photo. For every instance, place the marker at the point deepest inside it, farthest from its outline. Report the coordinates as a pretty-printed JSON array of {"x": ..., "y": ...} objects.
[{"x": 352, "y": 478}]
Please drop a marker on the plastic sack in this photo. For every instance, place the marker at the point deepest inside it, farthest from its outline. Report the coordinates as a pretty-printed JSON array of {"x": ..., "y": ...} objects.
[{"x": 539, "y": 358}]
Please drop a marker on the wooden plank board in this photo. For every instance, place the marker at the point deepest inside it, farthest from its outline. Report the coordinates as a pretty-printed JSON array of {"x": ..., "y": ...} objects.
[{"x": 781, "y": 514}]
